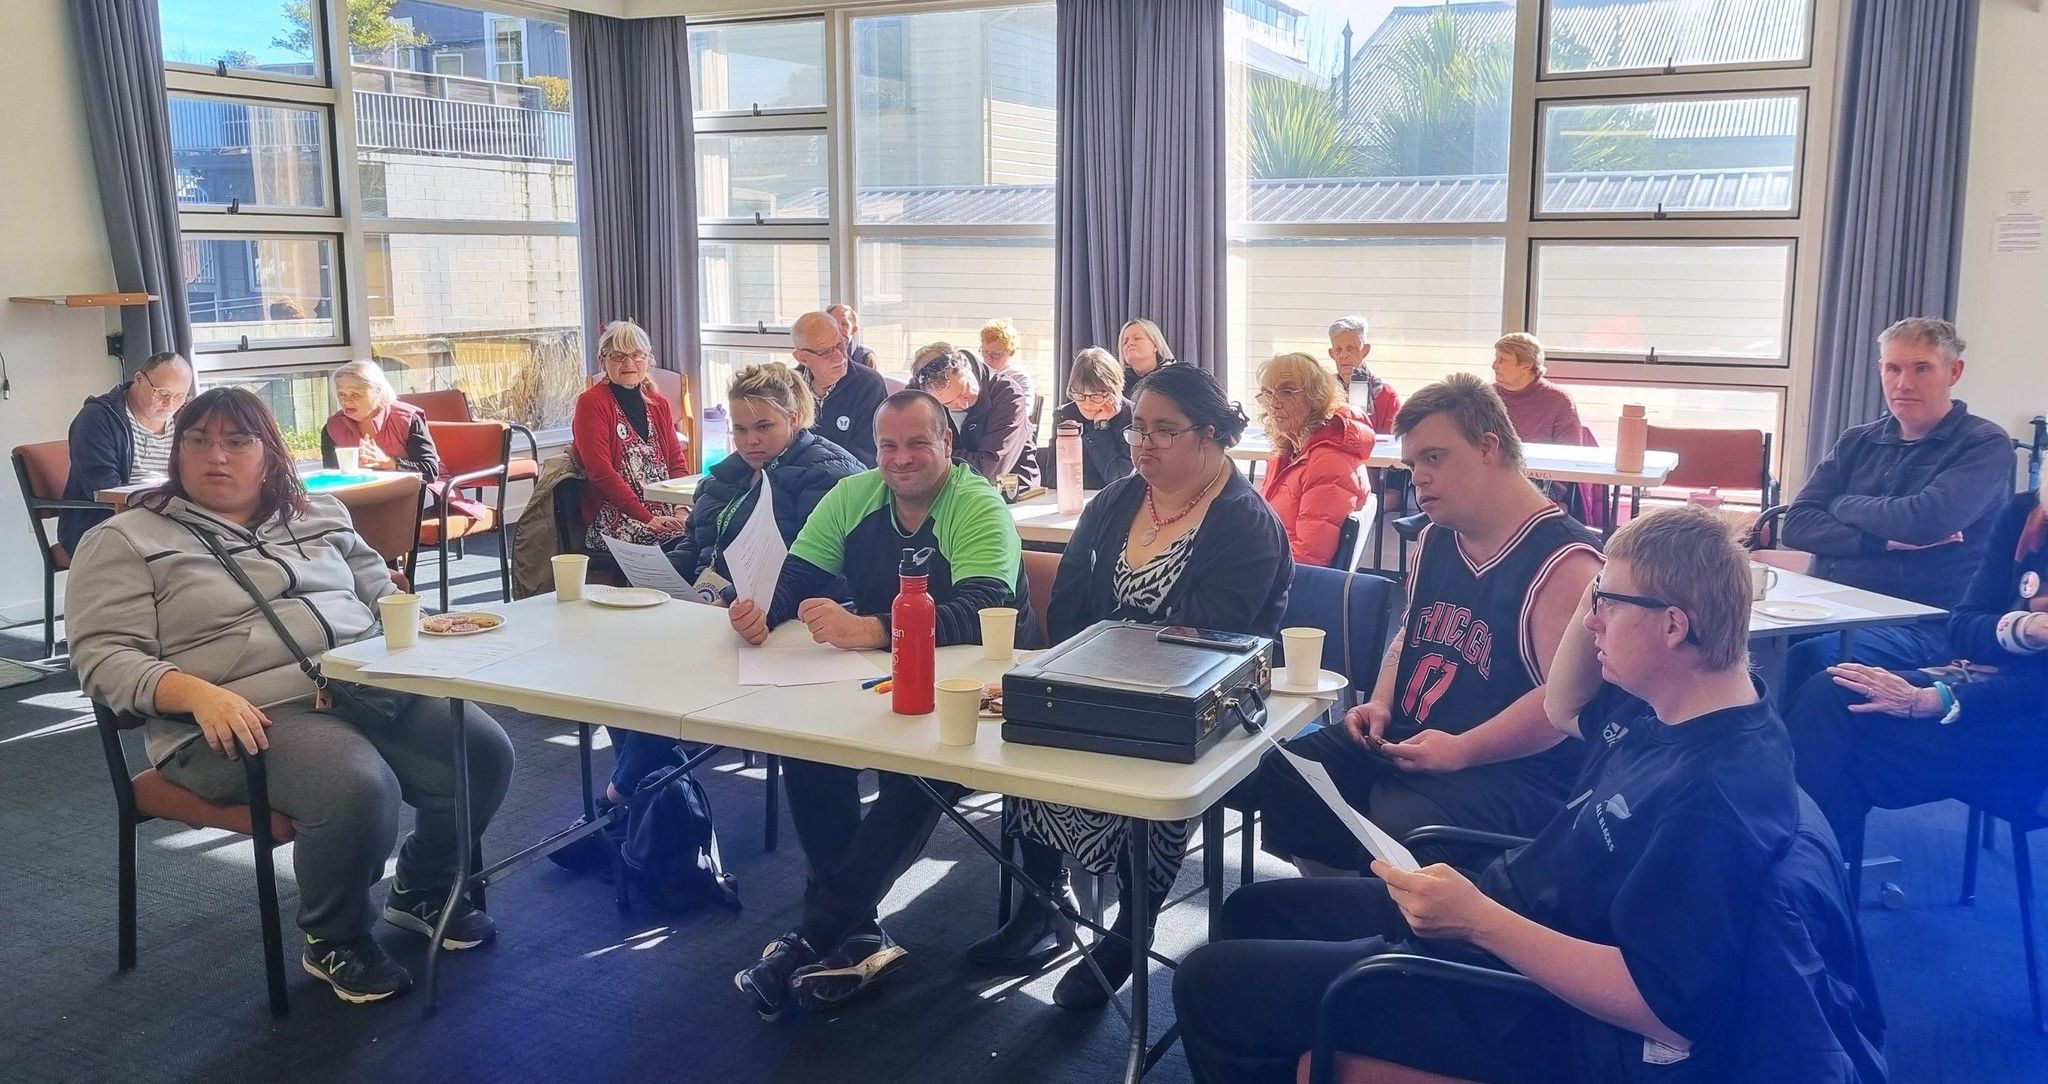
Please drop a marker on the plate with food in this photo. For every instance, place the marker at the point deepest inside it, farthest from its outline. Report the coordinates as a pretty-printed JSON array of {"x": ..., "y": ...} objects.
[{"x": 460, "y": 623}]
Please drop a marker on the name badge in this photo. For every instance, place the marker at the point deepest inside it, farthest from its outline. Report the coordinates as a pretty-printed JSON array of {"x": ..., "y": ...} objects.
[
  {"x": 623, "y": 433},
  {"x": 2030, "y": 585}
]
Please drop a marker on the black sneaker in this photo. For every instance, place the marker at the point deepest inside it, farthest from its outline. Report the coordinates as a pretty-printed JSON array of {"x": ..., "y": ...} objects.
[
  {"x": 418, "y": 909},
  {"x": 358, "y": 970},
  {"x": 856, "y": 964},
  {"x": 766, "y": 982}
]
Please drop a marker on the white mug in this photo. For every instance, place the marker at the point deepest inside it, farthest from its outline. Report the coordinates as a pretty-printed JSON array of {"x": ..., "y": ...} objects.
[
  {"x": 1762, "y": 578},
  {"x": 348, "y": 459}
]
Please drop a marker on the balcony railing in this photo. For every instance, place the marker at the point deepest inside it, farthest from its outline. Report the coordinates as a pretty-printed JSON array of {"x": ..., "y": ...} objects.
[{"x": 401, "y": 122}]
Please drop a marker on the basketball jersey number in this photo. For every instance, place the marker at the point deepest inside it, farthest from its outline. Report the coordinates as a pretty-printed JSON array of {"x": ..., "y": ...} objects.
[{"x": 1427, "y": 685}]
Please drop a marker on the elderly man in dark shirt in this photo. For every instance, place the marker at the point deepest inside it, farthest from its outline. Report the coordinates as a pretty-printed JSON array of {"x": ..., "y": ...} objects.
[{"x": 1904, "y": 505}]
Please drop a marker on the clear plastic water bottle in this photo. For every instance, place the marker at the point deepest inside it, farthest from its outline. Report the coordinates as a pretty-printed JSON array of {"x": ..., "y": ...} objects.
[{"x": 717, "y": 435}]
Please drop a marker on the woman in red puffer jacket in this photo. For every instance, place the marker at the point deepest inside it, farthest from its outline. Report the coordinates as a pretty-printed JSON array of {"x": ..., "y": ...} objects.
[{"x": 1317, "y": 477}]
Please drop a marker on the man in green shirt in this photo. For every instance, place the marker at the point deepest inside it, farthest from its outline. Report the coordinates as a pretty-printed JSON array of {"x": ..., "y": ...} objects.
[{"x": 917, "y": 498}]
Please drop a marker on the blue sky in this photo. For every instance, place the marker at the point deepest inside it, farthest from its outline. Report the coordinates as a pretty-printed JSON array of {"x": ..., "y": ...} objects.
[{"x": 197, "y": 31}]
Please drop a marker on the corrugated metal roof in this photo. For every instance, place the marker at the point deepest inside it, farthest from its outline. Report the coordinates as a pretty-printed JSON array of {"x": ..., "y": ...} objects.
[{"x": 1403, "y": 199}]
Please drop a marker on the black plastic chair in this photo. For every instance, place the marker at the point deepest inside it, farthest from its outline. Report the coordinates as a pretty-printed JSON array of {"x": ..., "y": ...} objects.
[
  {"x": 147, "y": 796},
  {"x": 1981, "y": 828},
  {"x": 42, "y": 470}
]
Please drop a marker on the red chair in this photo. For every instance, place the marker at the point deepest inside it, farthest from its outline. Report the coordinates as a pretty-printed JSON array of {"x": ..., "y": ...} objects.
[
  {"x": 473, "y": 455},
  {"x": 43, "y": 470},
  {"x": 452, "y": 405},
  {"x": 148, "y": 796}
]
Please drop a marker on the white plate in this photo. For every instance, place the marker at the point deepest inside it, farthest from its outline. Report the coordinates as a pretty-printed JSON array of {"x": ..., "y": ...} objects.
[
  {"x": 496, "y": 621},
  {"x": 1330, "y": 683},
  {"x": 1785, "y": 610},
  {"x": 624, "y": 597}
]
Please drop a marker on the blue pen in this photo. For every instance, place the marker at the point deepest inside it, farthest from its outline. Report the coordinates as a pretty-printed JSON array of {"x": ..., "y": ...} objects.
[{"x": 875, "y": 682}]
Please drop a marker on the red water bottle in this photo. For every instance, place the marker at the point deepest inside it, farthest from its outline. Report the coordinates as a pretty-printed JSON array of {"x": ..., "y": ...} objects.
[{"x": 913, "y": 620}]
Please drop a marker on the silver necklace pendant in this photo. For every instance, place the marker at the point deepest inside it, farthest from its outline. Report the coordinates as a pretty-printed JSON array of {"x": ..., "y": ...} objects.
[{"x": 1150, "y": 536}]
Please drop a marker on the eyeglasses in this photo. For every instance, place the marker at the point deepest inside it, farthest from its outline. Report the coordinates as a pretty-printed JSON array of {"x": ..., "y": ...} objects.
[
  {"x": 1283, "y": 394},
  {"x": 163, "y": 396},
  {"x": 1154, "y": 438},
  {"x": 837, "y": 349},
  {"x": 237, "y": 444},
  {"x": 1644, "y": 601},
  {"x": 1092, "y": 398},
  {"x": 637, "y": 357}
]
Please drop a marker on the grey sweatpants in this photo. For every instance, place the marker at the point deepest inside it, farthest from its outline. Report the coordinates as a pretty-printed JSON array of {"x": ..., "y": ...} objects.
[{"x": 341, "y": 784}]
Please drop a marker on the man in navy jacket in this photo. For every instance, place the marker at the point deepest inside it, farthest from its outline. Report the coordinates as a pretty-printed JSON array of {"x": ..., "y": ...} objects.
[
  {"x": 1904, "y": 505},
  {"x": 107, "y": 429}
]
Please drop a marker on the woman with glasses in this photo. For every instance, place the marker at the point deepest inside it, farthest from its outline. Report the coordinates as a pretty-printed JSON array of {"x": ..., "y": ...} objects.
[
  {"x": 1184, "y": 541},
  {"x": 1317, "y": 477},
  {"x": 390, "y": 434},
  {"x": 161, "y": 628},
  {"x": 1095, "y": 386},
  {"x": 625, "y": 437}
]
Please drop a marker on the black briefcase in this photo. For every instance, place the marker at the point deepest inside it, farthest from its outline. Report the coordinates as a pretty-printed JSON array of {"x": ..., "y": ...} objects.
[{"x": 1140, "y": 690}]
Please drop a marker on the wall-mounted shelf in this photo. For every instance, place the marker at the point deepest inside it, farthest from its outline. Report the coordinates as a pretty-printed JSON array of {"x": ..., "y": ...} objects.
[{"x": 87, "y": 301}]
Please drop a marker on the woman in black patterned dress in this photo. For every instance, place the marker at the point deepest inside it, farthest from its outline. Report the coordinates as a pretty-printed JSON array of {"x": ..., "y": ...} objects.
[{"x": 1184, "y": 541}]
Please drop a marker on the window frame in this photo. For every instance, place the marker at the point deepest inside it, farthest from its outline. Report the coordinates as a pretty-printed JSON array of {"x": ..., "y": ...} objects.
[
  {"x": 1654, "y": 359},
  {"x": 1800, "y": 149},
  {"x": 1806, "y": 60},
  {"x": 330, "y": 206}
]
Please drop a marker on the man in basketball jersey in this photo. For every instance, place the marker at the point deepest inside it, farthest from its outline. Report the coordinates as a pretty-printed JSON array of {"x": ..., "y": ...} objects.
[{"x": 1455, "y": 731}]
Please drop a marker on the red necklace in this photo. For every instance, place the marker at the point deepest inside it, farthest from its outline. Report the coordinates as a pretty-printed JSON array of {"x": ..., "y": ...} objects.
[{"x": 1152, "y": 533}]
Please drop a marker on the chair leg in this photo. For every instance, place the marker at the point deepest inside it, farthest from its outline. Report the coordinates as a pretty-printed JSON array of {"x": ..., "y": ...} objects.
[
  {"x": 2023, "y": 876},
  {"x": 444, "y": 571},
  {"x": 273, "y": 937},
  {"x": 49, "y": 612},
  {"x": 1990, "y": 832},
  {"x": 126, "y": 894},
  {"x": 1971, "y": 832},
  {"x": 1247, "y": 851}
]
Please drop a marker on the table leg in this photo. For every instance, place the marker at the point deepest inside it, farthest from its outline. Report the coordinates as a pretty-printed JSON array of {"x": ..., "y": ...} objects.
[
  {"x": 462, "y": 850},
  {"x": 1635, "y": 501},
  {"x": 1139, "y": 839},
  {"x": 1212, "y": 863}
]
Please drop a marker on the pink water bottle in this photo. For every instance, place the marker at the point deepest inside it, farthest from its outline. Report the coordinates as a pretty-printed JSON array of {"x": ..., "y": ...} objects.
[{"x": 1068, "y": 453}]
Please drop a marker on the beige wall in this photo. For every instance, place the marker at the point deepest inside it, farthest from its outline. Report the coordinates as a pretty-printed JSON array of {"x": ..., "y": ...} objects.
[
  {"x": 55, "y": 241},
  {"x": 2002, "y": 294}
]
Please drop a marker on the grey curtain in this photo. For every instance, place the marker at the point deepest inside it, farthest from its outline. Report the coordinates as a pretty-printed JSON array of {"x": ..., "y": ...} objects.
[
  {"x": 1139, "y": 212},
  {"x": 119, "y": 50},
  {"x": 1895, "y": 224},
  {"x": 636, "y": 170}
]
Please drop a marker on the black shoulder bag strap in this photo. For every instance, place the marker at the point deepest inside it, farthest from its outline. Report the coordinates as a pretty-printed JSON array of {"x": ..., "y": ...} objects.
[{"x": 355, "y": 703}]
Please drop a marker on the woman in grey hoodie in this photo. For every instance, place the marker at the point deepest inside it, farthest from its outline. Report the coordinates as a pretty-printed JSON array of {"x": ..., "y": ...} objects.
[{"x": 161, "y": 629}]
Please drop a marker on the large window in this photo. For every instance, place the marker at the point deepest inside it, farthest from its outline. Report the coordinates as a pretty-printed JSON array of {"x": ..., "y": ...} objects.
[
  {"x": 1644, "y": 200},
  {"x": 448, "y": 250}
]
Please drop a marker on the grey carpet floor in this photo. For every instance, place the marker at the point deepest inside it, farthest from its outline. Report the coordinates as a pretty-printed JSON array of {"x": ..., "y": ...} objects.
[{"x": 576, "y": 990}]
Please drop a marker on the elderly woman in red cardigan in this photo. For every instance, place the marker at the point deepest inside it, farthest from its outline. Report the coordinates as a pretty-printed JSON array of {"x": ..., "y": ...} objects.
[
  {"x": 389, "y": 434},
  {"x": 625, "y": 435}
]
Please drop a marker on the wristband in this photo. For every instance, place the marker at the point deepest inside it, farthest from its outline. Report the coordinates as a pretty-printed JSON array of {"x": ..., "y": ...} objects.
[
  {"x": 2009, "y": 636},
  {"x": 1950, "y": 706}
]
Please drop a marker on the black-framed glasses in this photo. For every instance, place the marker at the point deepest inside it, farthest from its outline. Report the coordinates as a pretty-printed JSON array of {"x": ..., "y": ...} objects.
[
  {"x": 838, "y": 348},
  {"x": 1156, "y": 438},
  {"x": 1092, "y": 398},
  {"x": 1647, "y": 603}
]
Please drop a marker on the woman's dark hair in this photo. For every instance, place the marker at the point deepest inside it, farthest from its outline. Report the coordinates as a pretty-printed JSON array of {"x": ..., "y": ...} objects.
[
  {"x": 282, "y": 491},
  {"x": 1199, "y": 397}
]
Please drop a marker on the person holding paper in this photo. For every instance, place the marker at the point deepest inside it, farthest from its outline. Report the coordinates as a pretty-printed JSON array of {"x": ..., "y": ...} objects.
[
  {"x": 1454, "y": 730},
  {"x": 161, "y": 629},
  {"x": 773, "y": 446},
  {"x": 919, "y": 498},
  {"x": 1651, "y": 907},
  {"x": 1184, "y": 541}
]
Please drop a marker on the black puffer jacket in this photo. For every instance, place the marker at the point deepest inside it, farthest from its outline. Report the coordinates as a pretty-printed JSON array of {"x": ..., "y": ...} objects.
[{"x": 800, "y": 477}]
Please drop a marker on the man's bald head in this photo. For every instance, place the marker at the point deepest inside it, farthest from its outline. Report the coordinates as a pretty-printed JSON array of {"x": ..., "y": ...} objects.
[{"x": 814, "y": 331}]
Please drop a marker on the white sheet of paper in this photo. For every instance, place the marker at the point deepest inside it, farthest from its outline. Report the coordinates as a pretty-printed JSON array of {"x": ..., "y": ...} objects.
[
  {"x": 448, "y": 656},
  {"x": 1383, "y": 846},
  {"x": 755, "y": 554},
  {"x": 802, "y": 664},
  {"x": 648, "y": 566}
]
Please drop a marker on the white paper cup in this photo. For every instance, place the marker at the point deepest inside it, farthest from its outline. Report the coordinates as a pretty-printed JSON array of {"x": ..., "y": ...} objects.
[
  {"x": 998, "y": 633},
  {"x": 959, "y": 704},
  {"x": 401, "y": 615},
  {"x": 570, "y": 569},
  {"x": 1762, "y": 578},
  {"x": 1304, "y": 654},
  {"x": 348, "y": 459}
]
